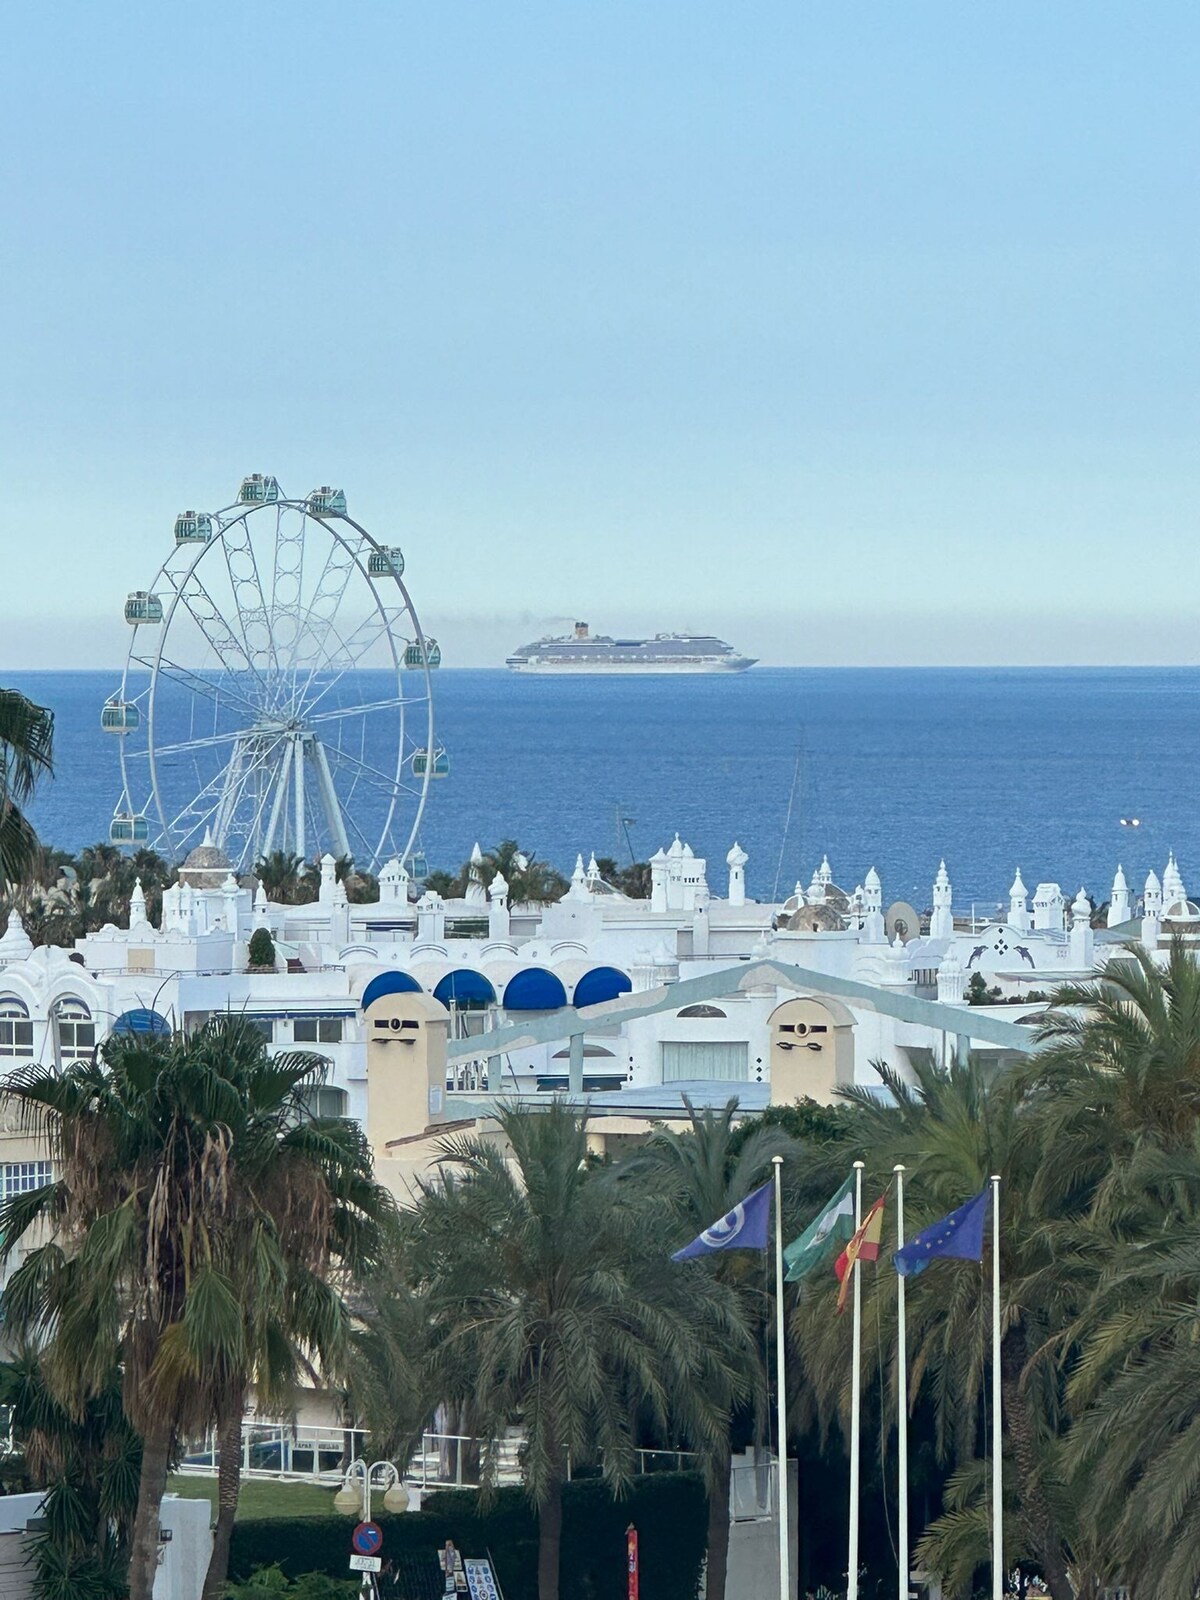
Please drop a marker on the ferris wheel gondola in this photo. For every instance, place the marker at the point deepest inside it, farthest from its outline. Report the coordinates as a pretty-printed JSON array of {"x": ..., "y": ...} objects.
[{"x": 276, "y": 693}]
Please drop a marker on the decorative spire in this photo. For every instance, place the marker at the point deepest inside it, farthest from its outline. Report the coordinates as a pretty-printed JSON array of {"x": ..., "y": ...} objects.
[
  {"x": 1018, "y": 890},
  {"x": 16, "y": 945}
]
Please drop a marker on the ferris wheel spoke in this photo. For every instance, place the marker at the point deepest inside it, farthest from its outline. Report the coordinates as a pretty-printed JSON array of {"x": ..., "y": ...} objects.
[
  {"x": 340, "y": 567},
  {"x": 348, "y": 713},
  {"x": 370, "y": 774},
  {"x": 204, "y": 742},
  {"x": 354, "y": 647},
  {"x": 249, "y": 597},
  {"x": 220, "y": 691},
  {"x": 220, "y": 637}
]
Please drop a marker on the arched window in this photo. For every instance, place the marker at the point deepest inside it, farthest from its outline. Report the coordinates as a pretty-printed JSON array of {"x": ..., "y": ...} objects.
[
  {"x": 75, "y": 1030},
  {"x": 16, "y": 1030},
  {"x": 701, "y": 1011}
]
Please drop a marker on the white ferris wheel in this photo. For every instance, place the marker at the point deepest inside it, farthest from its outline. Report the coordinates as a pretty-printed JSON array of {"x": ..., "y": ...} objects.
[{"x": 276, "y": 694}]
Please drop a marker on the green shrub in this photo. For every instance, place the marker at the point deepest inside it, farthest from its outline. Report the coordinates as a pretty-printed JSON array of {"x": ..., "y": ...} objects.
[
  {"x": 262, "y": 948},
  {"x": 668, "y": 1509}
]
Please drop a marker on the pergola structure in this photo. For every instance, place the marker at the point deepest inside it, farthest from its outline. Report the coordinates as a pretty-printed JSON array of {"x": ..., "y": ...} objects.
[{"x": 955, "y": 1023}]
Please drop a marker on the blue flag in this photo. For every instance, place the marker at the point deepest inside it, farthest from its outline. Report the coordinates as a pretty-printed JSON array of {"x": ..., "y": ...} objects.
[
  {"x": 746, "y": 1227},
  {"x": 960, "y": 1234}
]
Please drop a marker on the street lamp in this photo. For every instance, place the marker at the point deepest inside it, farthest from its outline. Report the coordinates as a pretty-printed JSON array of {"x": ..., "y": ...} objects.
[{"x": 353, "y": 1499}]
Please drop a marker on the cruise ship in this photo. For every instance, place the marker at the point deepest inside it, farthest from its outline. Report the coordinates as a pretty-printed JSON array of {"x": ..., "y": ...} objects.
[{"x": 583, "y": 651}]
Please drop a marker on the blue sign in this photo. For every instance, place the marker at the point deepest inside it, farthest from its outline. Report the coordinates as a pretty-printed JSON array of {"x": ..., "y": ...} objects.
[{"x": 367, "y": 1539}]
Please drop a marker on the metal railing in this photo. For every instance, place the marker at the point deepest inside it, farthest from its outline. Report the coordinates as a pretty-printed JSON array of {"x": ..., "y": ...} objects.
[{"x": 297, "y": 1452}]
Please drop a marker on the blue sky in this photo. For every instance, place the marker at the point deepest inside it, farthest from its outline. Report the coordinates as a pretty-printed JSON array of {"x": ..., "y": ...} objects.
[{"x": 860, "y": 333}]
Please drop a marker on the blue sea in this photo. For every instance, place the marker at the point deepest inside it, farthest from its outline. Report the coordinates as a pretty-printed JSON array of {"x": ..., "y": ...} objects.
[{"x": 893, "y": 768}]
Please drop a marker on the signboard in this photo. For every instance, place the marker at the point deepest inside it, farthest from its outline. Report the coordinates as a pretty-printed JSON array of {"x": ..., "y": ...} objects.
[
  {"x": 451, "y": 1562},
  {"x": 367, "y": 1539},
  {"x": 366, "y": 1563},
  {"x": 481, "y": 1581},
  {"x": 631, "y": 1552}
]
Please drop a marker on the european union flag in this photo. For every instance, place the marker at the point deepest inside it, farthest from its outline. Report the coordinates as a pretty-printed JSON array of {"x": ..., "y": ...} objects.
[
  {"x": 960, "y": 1234},
  {"x": 746, "y": 1227}
]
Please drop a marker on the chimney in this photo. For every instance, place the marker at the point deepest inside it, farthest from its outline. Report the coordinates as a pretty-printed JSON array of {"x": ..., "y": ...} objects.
[{"x": 581, "y": 630}]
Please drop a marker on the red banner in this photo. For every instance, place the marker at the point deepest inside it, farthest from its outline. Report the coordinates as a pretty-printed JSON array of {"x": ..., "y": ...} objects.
[{"x": 631, "y": 1547}]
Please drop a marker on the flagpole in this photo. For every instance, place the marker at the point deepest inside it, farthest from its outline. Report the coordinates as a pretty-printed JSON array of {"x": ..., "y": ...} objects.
[
  {"x": 997, "y": 1417},
  {"x": 785, "y": 1574},
  {"x": 901, "y": 1400},
  {"x": 855, "y": 1399}
]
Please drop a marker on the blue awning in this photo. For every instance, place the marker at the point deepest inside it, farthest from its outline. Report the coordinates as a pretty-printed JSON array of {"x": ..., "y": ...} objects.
[
  {"x": 535, "y": 989},
  {"x": 142, "y": 1020},
  {"x": 389, "y": 983},
  {"x": 465, "y": 986},
  {"x": 601, "y": 983}
]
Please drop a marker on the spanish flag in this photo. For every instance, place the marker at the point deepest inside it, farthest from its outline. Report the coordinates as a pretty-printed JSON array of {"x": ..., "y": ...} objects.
[{"x": 864, "y": 1245}]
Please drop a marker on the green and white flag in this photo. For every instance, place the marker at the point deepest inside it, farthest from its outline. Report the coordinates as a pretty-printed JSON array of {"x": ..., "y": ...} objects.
[{"x": 833, "y": 1225}]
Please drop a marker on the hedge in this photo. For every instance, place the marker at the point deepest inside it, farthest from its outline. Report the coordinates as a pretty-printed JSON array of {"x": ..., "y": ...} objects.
[{"x": 668, "y": 1509}]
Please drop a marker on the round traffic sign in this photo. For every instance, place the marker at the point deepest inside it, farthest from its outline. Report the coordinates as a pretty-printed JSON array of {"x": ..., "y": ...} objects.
[{"x": 367, "y": 1539}]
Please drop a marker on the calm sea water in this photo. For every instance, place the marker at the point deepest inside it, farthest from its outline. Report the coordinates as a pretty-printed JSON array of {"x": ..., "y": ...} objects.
[{"x": 897, "y": 768}]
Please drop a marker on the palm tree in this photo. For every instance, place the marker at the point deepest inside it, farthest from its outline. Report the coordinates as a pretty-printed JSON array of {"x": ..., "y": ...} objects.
[
  {"x": 87, "y": 1461},
  {"x": 702, "y": 1173},
  {"x": 194, "y": 1222},
  {"x": 550, "y": 1302},
  {"x": 281, "y": 874},
  {"x": 26, "y": 754}
]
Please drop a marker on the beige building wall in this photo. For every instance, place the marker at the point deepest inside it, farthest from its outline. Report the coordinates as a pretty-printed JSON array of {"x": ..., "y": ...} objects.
[{"x": 812, "y": 1050}]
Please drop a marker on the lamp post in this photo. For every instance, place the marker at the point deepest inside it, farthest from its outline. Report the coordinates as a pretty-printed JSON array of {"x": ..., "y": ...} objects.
[{"x": 361, "y": 1477}]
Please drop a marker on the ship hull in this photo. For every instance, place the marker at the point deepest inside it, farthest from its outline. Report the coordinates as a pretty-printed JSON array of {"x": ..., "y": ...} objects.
[{"x": 627, "y": 669}]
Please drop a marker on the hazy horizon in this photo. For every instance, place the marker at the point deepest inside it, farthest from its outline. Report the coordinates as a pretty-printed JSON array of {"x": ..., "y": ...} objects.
[{"x": 852, "y": 334}]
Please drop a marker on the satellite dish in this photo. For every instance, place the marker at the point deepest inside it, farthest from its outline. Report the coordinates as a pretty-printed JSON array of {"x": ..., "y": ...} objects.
[{"x": 904, "y": 920}]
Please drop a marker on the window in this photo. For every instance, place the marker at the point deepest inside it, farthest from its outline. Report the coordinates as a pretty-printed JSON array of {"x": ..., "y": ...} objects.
[
  {"x": 324, "y": 1102},
  {"x": 16, "y": 1030},
  {"x": 19, "y": 1177},
  {"x": 317, "y": 1030},
  {"x": 76, "y": 1030},
  {"x": 265, "y": 1026},
  {"x": 705, "y": 1060}
]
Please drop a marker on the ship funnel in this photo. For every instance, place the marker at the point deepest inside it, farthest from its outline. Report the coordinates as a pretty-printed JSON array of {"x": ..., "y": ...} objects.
[{"x": 581, "y": 630}]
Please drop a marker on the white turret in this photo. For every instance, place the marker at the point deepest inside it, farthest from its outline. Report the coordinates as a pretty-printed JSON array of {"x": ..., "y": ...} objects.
[
  {"x": 499, "y": 925},
  {"x": 873, "y": 930},
  {"x": 431, "y": 918},
  {"x": 1049, "y": 908},
  {"x": 816, "y": 889},
  {"x": 658, "y": 881},
  {"x": 339, "y": 914},
  {"x": 262, "y": 914},
  {"x": 941, "y": 923},
  {"x": 16, "y": 945},
  {"x": 475, "y": 895},
  {"x": 825, "y": 872},
  {"x": 798, "y": 895},
  {"x": 1018, "y": 911},
  {"x": 579, "y": 887},
  {"x": 1120, "y": 906},
  {"x": 1082, "y": 937},
  {"x": 1152, "y": 897},
  {"x": 895, "y": 967},
  {"x": 328, "y": 879},
  {"x": 393, "y": 884},
  {"x": 1152, "y": 906},
  {"x": 137, "y": 905},
  {"x": 736, "y": 862},
  {"x": 1173, "y": 892},
  {"x": 951, "y": 979},
  {"x": 593, "y": 871}
]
